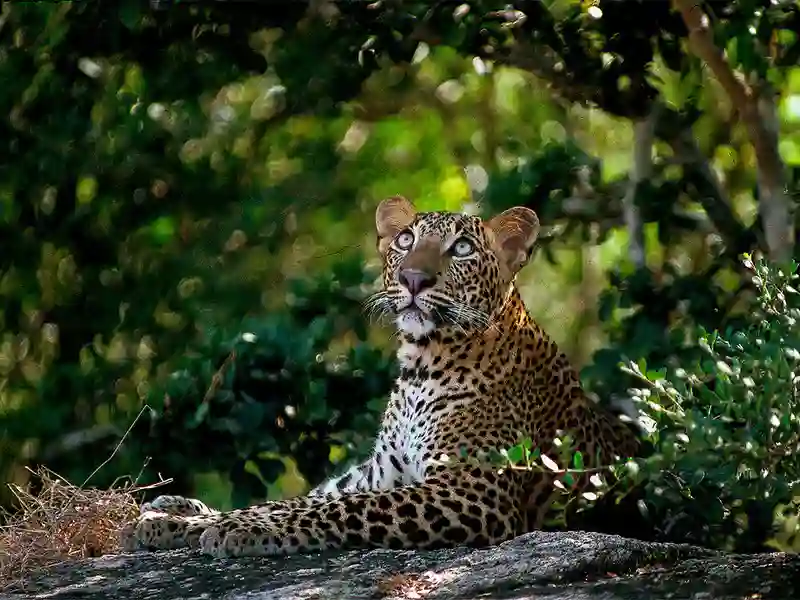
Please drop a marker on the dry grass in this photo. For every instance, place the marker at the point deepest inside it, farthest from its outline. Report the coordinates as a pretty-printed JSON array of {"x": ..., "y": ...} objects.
[{"x": 62, "y": 522}]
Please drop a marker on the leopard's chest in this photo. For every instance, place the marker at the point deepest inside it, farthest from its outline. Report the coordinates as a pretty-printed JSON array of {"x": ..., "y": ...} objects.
[
  {"x": 414, "y": 424},
  {"x": 413, "y": 418}
]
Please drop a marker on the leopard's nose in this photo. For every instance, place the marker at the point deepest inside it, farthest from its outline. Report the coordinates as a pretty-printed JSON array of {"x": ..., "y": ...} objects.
[{"x": 415, "y": 280}]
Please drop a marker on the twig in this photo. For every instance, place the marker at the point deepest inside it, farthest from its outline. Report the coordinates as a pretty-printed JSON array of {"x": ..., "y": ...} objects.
[
  {"x": 531, "y": 467},
  {"x": 118, "y": 446},
  {"x": 218, "y": 377},
  {"x": 704, "y": 184}
]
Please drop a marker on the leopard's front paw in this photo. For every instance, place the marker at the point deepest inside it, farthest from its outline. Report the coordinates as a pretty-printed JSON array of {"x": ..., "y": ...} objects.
[
  {"x": 178, "y": 506},
  {"x": 155, "y": 530}
]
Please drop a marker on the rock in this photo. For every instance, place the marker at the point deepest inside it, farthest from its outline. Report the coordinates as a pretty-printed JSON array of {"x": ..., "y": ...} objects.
[{"x": 556, "y": 566}]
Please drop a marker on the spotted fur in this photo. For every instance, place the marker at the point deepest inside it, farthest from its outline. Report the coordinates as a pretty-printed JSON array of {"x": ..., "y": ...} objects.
[{"x": 476, "y": 374}]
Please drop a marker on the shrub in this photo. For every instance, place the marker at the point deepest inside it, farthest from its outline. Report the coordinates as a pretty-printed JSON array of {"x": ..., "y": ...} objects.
[
  {"x": 722, "y": 435},
  {"x": 299, "y": 390},
  {"x": 725, "y": 466}
]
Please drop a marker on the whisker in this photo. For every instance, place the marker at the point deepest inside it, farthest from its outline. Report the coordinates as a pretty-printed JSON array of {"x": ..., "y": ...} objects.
[
  {"x": 451, "y": 318},
  {"x": 377, "y": 305},
  {"x": 462, "y": 315},
  {"x": 461, "y": 327}
]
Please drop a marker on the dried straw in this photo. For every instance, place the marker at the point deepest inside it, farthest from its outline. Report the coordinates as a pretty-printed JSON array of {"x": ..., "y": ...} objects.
[{"x": 64, "y": 522}]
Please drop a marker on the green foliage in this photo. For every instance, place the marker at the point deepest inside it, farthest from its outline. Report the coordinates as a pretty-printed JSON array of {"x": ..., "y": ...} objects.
[
  {"x": 725, "y": 469},
  {"x": 275, "y": 387},
  {"x": 177, "y": 187},
  {"x": 722, "y": 424},
  {"x": 145, "y": 200}
]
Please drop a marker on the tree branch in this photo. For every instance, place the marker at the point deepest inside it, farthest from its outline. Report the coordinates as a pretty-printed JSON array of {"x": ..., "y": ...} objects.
[
  {"x": 548, "y": 65},
  {"x": 704, "y": 183},
  {"x": 774, "y": 198},
  {"x": 641, "y": 171}
]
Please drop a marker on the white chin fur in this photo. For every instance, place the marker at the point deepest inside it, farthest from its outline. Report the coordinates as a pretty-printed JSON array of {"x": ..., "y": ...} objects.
[{"x": 415, "y": 324}]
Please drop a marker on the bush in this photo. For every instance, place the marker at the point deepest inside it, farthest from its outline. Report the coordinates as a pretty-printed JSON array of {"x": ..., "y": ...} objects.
[
  {"x": 293, "y": 393},
  {"x": 725, "y": 466},
  {"x": 721, "y": 465}
]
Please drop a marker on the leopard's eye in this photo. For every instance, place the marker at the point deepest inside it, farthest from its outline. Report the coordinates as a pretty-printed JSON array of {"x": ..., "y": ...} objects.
[
  {"x": 462, "y": 248},
  {"x": 404, "y": 240}
]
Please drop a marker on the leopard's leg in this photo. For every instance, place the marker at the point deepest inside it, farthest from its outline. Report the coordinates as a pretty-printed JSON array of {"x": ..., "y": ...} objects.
[
  {"x": 164, "y": 530},
  {"x": 447, "y": 510},
  {"x": 191, "y": 517}
]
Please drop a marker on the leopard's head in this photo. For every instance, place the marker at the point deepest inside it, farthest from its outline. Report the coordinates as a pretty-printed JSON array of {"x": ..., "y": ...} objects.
[{"x": 448, "y": 269}]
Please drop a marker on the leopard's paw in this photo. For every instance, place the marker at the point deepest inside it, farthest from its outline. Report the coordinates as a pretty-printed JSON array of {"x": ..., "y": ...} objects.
[
  {"x": 178, "y": 506},
  {"x": 155, "y": 530}
]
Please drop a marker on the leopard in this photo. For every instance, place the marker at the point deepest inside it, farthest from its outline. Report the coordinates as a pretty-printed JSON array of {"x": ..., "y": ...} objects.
[{"x": 475, "y": 374}]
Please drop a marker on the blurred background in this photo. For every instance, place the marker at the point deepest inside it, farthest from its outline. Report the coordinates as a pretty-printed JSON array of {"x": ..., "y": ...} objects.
[{"x": 187, "y": 194}]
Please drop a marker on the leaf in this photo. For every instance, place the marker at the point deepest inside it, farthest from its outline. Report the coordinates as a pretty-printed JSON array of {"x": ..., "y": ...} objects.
[
  {"x": 86, "y": 190},
  {"x": 516, "y": 453},
  {"x": 633, "y": 467},
  {"x": 130, "y": 14},
  {"x": 577, "y": 460},
  {"x": 337, "y": 453},
  {"x": 724, "y": 368},
  {"x": 200, "y": 415},
  {"x": 641, "y": 364},
  {"x": 162, "y": 229},
  {"x": 550, "y": 463}
]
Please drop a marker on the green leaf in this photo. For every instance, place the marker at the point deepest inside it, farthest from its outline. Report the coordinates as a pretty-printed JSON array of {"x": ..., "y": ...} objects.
[
  {"x": 516, "y": 453},
  {"x": 200, "y": 414},
  {"x": 130, "y": 14},
  {"x": 162, "y": 230},
  {"x": 577, "y": 460},
  {"x": 86, "y": 190}
]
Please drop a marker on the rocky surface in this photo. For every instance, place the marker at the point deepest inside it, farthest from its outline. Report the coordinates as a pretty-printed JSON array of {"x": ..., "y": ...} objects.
[{"x": 552, "y": 566}]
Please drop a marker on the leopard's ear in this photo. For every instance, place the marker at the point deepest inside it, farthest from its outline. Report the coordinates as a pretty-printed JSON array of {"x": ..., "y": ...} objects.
[
  {"x": 515, "y": 231},
  {"x": 391, "y": 217}
]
